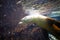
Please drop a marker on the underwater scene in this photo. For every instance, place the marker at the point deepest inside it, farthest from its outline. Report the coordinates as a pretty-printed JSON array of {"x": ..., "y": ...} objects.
[{"x": 29, "y": 19}]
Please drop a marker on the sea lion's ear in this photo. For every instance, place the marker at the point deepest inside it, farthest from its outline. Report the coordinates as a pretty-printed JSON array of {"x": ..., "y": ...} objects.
[
  {"x": 56, "y": 26},
  {"x": 54, "y": 23}
]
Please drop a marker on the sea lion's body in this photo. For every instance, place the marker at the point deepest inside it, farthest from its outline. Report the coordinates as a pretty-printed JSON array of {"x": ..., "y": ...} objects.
[{"x": 44, "y": 22}]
